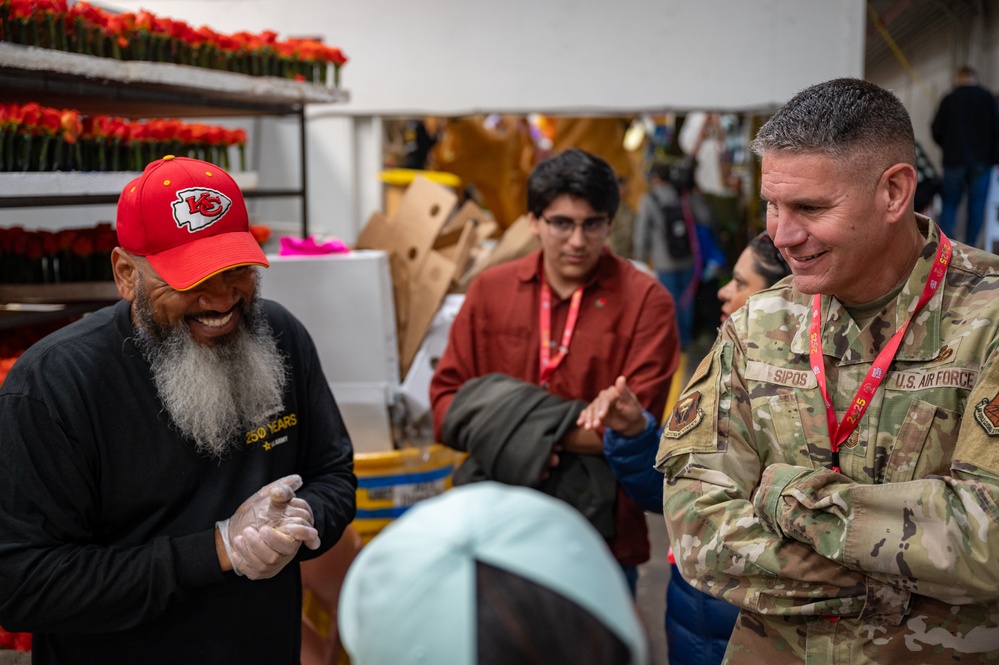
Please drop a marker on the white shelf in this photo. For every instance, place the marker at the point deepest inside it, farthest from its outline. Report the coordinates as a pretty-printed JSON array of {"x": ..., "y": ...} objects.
[
  {"x": 80, "y": 183},
  {"x": 218, "y": 84},
  {"x": 129, "y": 89}
]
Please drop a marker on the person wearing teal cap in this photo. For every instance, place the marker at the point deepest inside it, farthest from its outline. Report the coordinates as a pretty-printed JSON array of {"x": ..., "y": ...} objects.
[{"x": 488, "y": 573}]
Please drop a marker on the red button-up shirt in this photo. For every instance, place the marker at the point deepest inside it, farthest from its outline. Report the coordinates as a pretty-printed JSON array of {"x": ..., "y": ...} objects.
[{"x": 626, "y": 326}]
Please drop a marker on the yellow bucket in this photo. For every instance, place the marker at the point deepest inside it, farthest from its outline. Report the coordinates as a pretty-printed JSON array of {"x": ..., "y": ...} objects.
[
  {"x": 405, "y": 177},
  {"x": 389, "y": 482}
]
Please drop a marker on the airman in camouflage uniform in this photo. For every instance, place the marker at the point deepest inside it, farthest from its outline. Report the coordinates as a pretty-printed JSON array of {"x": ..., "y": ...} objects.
[{"x": 895, "y": 559}]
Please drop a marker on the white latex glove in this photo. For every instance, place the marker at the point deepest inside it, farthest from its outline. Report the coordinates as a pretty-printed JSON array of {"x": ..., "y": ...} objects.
[
  {"x": 300, "y": 512},
  {"x": 260, "y": 554},
  {"x": 279, "y": 523}
]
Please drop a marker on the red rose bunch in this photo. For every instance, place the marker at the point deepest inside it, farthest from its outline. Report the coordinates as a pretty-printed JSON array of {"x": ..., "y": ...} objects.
[
  {"x": 39, "y": 138},
  {"x": 91, "y": 30}
]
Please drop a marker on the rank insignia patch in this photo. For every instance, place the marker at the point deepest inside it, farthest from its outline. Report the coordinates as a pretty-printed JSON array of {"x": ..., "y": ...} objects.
[
  {"x": 853, "y": 440},
  {"x": 987, "y": 415},
  {"x": 687, "y": 415}
]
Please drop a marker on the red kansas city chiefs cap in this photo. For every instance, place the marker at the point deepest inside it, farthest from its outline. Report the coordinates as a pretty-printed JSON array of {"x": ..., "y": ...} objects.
[{"x": 188, "y": 218}]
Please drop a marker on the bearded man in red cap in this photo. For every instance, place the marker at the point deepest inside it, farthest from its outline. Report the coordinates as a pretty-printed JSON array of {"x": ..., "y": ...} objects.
[{"x": 164, "y": 459}]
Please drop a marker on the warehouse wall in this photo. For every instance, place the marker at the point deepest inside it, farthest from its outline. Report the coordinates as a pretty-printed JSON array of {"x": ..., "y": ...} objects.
[
  {"x": 447, "y": 57},
  {"x": 429, "y": 57},
  {"x": 582, "y": 56},
  {"x": 922, "y": 74}
]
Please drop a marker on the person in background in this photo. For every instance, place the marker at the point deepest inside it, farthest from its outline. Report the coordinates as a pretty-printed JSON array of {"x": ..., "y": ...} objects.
[
  {"x": 702, "y": 137},
  {"x": 760, "y": 266},
  {"x": 623, "y": 228},
  {"x": 966, "y": 127},
  {"x": 537, "y": 338},
  {"x": 927, "y": 183},
  {"x": 665, "y": 236},
  {"x": 164, "y": 459},
  {"x": 713, "y": 268},
  {"x": 697, "y": 624},
  {"x": 831, "y": 467},
  {"x": 417, "y": 143},
  {"x": 489, "y": 574}
]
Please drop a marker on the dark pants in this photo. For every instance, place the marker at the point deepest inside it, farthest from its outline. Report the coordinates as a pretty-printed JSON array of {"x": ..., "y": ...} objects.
[
  {"x": 677, "y": 282},
  {"x": 631, "y": 575},
  {"x": 973, "y": 179},
  {"x": 698, "y": 626}
]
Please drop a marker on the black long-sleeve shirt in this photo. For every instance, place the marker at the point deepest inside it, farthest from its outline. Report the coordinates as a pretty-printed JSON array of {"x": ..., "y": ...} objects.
[
  {"x": 107, "y": 514},
  {"x": 966, "y": 126}
]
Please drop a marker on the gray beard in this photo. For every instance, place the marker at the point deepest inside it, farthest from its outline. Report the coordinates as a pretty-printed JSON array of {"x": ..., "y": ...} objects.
[{"x": 214, "y": 394}]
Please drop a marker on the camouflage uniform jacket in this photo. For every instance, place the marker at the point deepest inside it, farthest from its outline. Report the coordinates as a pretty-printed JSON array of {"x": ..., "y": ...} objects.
[{"x": 897, "y": 558}]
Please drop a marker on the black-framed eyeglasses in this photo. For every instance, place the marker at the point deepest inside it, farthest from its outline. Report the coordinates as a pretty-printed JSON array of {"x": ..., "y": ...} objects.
[{"x": 563, "y": 227}]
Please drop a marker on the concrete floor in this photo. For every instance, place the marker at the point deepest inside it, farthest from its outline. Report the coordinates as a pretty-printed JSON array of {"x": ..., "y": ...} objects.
[{"x": 650, "y": 594}]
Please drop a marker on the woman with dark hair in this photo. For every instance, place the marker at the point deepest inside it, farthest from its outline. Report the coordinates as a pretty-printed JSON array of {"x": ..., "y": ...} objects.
[
  {"x": 760, "y": 266},
  {"x": 697, "y": 625}
]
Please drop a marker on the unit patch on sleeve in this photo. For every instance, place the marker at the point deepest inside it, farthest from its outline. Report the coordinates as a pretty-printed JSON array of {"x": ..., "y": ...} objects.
[
  {"x": 687, "y": 414},
  {"x": 987, "y": 415}
]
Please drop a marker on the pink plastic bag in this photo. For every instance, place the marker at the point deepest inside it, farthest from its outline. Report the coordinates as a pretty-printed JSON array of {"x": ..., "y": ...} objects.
[{"x": 309, "y": 247}]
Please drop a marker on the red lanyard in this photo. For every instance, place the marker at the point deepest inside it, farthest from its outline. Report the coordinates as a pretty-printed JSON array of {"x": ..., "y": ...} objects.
[
  {"x": 548, "y": 363},
  {"x": 875, "y": 375}
]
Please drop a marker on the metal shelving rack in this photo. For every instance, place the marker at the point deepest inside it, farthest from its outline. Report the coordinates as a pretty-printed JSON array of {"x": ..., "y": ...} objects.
[{"x": 133, "y": 89}]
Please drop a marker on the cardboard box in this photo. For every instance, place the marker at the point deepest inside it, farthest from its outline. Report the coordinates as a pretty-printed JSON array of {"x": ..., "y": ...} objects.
[
  {"x": 436, "y": 248},
  {"x": 517, "y": 241},
  {"x": 421, "y": 275},
  {"x": 396, "y": 181}
]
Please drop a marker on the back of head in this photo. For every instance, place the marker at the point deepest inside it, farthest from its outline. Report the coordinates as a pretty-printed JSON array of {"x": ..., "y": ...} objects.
[
  {"x": 488, "y": 573},
  {"x": 678, "y": 172},
  {"x": 521, "y": 621},
  {"x": 966, "y": 75},
  {"x": 768, "y": 262},
  {"x": 681, "y": 173},
  {"x": 846, "y": 118},
  {"x": 578, "y": 174},
  {"x": 661, "y": 172}
]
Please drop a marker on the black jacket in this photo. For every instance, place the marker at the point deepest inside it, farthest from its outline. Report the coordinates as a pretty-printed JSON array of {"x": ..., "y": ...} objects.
[
  {"x": 509, "y": 428},
  {"x": 966, "y": 127}
]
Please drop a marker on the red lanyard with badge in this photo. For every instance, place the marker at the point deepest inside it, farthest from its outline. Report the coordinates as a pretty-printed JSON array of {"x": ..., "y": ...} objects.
[
  {"x": 838, "y": 433},
  {"x": 549, "y": 363}
]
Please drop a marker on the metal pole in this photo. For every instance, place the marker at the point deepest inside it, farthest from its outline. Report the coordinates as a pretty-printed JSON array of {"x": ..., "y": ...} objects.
[{"x": 304, "y": 189}]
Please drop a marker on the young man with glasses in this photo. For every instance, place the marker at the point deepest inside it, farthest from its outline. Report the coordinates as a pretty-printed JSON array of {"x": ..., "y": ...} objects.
[{"x": 538, "y": 338}]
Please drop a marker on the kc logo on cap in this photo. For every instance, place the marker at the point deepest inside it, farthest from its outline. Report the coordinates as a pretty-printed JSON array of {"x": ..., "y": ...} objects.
[
  {"x": 188, "y": 218},
  {"x": 199, "y": 207}
]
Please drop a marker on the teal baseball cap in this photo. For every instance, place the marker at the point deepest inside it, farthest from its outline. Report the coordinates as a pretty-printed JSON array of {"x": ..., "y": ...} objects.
[{"x": 410, "y": 595}]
